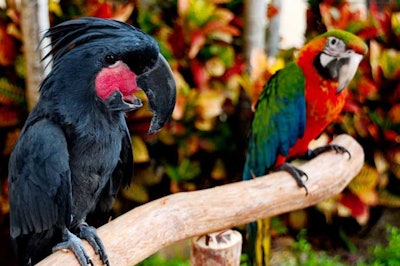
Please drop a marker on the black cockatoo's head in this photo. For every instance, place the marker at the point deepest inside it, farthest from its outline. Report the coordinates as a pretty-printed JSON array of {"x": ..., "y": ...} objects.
[{"x": 104, "y": 62}]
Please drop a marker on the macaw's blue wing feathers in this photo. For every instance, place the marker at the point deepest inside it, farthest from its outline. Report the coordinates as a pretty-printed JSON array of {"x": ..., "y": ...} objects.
[{"x": 278, "y": 122}]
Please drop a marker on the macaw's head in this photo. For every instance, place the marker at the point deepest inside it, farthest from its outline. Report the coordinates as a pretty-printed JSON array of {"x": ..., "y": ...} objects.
[
  {"x": 335, "y": 55},
  {"x": 102, "y": 63}
]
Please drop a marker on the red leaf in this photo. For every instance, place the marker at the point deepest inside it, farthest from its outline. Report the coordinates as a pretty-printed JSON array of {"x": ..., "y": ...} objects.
[
  {"x": 351, "y": 107},
  {"x": 358, "y": 209},
  {"x": 200, "y": 75},
  {"x": 381, "y": 20},
  {"x": 104, "y": 10},
  {"x": 197, "y": 41},
  {"x": 7, "y": 47}
]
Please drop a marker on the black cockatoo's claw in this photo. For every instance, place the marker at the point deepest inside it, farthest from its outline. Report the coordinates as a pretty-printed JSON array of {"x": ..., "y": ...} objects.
[
  {"x": 74, "y": 243},
  {"x": 330, "y": 147},
  {"x": 296, "y": 173},
  {"x": 89, "y": 233}
]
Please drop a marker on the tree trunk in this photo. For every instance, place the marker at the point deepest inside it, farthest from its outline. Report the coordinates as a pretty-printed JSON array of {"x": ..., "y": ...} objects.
[
  {"x": 273, "y": 38},
  {"x": 34, "y": 22},
  {"x": 254, "y": 28}
]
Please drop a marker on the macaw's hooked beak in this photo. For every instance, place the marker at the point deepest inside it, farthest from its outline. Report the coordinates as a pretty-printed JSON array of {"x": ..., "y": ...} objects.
[
  {"x": 159, "y": 86},
  {"x": 348, "y": 69},
  {"x": 342, "y": 67}
]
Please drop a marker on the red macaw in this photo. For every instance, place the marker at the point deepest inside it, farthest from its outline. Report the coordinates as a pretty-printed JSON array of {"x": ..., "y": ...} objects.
[{"x": 295, "y": 107}]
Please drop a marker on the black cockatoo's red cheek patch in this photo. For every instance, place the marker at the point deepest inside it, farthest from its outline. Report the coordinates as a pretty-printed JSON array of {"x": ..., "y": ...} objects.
[{"x": 117, "y": 77}]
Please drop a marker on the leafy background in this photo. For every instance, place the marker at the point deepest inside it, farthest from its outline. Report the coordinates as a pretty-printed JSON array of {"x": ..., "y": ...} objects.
[{"x": 204, "y": 144}]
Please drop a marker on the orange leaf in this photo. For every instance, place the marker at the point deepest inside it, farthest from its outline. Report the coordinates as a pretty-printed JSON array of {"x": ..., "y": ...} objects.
[{"x": 394, "y": 113}]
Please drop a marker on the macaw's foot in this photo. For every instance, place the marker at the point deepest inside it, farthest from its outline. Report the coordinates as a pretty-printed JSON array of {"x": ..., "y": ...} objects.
[
  {"x": 74, "y": 243},
  {"x": 330, "y": 147},
  {"x": 296, "y": 173},
  {"x": 89, "y": 233}
]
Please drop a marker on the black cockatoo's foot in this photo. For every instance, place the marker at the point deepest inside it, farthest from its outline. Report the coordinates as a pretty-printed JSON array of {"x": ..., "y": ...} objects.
[
  {"x": 89, "y": 233},
  {"x": 296, "y": 173},
  {"x": 74, "y": 243},
  {"x": 330, "y": 147}
]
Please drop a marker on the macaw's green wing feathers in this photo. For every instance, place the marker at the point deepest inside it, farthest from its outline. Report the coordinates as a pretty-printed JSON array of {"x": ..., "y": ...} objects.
[{"x": 278, "y": 122}]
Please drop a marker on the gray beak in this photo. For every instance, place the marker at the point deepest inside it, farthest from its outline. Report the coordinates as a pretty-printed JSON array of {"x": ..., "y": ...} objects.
[
  {"x": 159, "y": 86},
  {"x": 342, "y": 67},
  {"x": 348, "y": 69}
]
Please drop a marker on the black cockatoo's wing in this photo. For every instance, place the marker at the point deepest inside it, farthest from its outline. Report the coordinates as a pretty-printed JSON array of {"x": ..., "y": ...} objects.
[
  {"x": 39, "y": 170},
  {"x": 122, "y": 175},
  {"x": 278, "y": 122}
]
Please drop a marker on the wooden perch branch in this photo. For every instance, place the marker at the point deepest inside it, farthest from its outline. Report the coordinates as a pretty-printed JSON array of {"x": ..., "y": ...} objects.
[{"x": 141, "y": 232}]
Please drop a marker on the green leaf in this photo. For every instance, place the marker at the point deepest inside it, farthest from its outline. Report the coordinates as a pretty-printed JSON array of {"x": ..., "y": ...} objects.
[{"x": 185, "y": 171}]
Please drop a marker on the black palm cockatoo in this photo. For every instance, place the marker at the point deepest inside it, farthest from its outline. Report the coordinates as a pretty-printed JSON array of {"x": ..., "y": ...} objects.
[{"x": 74, "y": 152}]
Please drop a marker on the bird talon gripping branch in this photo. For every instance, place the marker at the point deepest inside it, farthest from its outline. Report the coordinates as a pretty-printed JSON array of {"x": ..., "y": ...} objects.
[
  {"x": 74, "y": 151},
  {"x": 330, "y": 147}
]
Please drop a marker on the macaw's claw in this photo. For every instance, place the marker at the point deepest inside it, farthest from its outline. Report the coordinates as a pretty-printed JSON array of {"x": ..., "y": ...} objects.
[
  {"x": 330, "y": 147},
  {"x": 296, "y": 173},
  {"x": 89, "y": 233},
  {"x": 74, "y": 243}
]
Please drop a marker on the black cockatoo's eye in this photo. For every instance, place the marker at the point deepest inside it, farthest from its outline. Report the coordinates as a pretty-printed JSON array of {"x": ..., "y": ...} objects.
[{"x": 110, "y": 59}]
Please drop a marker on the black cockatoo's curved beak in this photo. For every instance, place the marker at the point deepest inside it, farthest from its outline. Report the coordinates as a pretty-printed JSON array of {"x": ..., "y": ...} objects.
[{"x": 158, "y": 84}]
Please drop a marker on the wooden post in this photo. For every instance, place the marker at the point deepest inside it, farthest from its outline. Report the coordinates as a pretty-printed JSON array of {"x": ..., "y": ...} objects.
[
  {"x": 217, "y": 249},
  {"x": 143, "y": 231}
]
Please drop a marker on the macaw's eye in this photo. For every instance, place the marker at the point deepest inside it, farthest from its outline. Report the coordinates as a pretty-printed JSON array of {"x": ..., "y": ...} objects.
[
  {"x": 110, "y": 59},
  {"x": 334, "y": 47}
]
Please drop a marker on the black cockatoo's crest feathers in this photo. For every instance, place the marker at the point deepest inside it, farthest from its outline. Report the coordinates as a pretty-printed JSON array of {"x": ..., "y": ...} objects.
[{"x": 73, "y": 33}]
